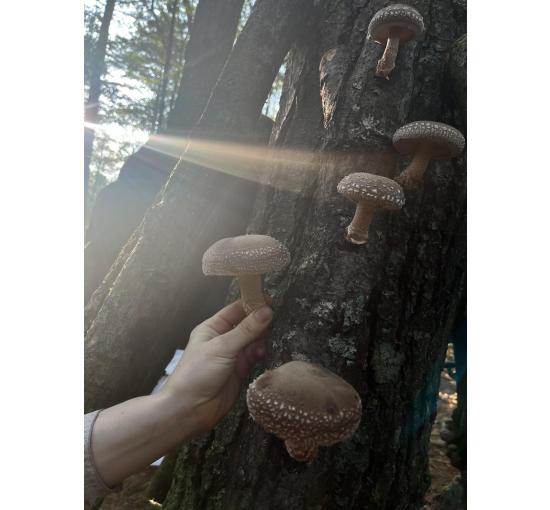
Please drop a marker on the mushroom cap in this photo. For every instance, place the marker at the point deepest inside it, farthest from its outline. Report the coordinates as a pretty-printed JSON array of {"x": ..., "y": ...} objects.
[
  {"x": 444, "y": 141},
  {"x": 248, "y": 254},
  {"x": 403, "y": 17},
  {"x": 379, "y": 191},
  {"x": 304, "y": 402}
]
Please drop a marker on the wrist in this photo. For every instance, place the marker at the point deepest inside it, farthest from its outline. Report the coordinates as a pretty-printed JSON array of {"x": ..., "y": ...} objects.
[{"x": 178, "y": 413}]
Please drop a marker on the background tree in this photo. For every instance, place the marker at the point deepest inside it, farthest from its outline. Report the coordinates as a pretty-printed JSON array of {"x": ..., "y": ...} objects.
[
  {"x": 121, "y": 205},
  {"x": 231, "y": 117},
  {"x": 167, "y": 64},
  {"x": 143, "y": 66},
  {"x": 97, "y": 68},
  {"x": 380, "y": 315}
]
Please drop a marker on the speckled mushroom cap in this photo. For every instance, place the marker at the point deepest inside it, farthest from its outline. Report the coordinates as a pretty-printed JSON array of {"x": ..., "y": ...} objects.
[
  {"x": 380, "y": 191},
  {"x": 304, "y": 402},
  {"x": 445, "y": 141},
  {"x": 401, "y": 16},
  {"x": 248, "y": 254}
]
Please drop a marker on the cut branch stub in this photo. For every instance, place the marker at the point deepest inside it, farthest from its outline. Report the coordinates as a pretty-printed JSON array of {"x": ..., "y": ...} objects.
[
  {"x": 425, "y": 140},
  {"x": 391, "y": 26},
  {"x": 246, "y": 257},
  {"x": 370, "y": 192},
  {"x": 306, "y": 406}
]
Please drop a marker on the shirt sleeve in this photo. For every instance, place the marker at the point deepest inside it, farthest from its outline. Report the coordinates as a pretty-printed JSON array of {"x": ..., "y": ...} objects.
[{"x": 95, "y": 488}]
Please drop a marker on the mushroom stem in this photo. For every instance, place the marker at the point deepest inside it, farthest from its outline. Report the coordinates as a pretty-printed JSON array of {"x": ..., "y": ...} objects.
[
  {"x": 358, "y": 230},
  {"x": 386, "y": 64},
  {"x": 302, "y": 451},
  {"x": 412, "y": 175},
  {"x": 252, "y": 296}
]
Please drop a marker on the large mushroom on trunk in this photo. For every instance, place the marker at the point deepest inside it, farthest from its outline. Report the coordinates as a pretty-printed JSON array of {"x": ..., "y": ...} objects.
[
  {"x": 306, "y": 406},
  {"x": 391, "y": 26},
  {"x": 425, "y": 140},
  {"x": 370, "y": 192},
  {"x": 247, "y": 257}
]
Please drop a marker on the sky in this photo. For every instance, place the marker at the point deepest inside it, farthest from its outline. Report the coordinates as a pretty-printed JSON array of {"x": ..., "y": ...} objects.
[{"x": 120, "y": 138}]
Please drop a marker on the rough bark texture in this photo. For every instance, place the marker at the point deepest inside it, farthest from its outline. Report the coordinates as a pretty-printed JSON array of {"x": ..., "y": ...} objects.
[
  {"x": 379, "y": 315},
  {"x": 457, "y": 103},
  {"x": 149, "y": 308},
  {"x": 120, "y": 206},
  {"x": 161, "y": 481}
]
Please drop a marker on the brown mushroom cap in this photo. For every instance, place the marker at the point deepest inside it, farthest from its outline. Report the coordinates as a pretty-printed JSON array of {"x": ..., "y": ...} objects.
[
  {"x": 248, "y": 254},
  {"x": 397, "y": 16},
  {"x": 303, "y": 402},
  {"x": 444, "y": 141},
  {"x": 378, "y": 190}
]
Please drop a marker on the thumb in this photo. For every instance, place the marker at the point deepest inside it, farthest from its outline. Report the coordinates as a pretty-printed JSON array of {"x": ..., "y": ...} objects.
[{"x": 248, "y": 330}]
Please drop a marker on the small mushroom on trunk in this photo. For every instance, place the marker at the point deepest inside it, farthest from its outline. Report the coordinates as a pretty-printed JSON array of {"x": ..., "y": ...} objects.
[
  {"x": 246, "y": 257},
  {"x": 391, "y": 26},
  {"x": 370, "y": 192},
  {"x": 426, "y": 140},
  {"x": 306, "y": 406}
]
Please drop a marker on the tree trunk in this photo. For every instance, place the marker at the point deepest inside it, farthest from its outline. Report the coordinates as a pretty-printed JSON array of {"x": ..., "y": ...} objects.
[
  {"x": 92, "y": 105},
  {"x": 147, "y": 309},
  {"x": 205, "y": 56},
  {"x": 167, "y": 63},
  {"x": 379, "y": 315},
  {"x": 457, "y": 104},
  {"x": 120, "y": 206}
]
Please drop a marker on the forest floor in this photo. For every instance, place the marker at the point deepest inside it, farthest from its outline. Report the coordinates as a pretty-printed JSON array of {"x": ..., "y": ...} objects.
[{"x": 443, "y": 475}]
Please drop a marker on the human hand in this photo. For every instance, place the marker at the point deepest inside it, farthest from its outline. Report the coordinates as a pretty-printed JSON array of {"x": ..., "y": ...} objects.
[{"x": 218, "y": 358}]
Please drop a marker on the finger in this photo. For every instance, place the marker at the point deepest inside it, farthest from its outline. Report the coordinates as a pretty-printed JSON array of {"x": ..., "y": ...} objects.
[
  {"x": 260, "y": 350},
  {"x": 255, "y": 351},
  {"x": 242, "y": 366},
  {"x": 226, "y": 318},
  {"x": 250, "y": 352},
  {"x": 246, "y": 332},
  {"x": 248, "y": 357}
]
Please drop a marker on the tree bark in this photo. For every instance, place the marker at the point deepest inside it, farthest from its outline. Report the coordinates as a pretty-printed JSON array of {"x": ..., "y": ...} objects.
[
  {"x": 120, "y": 206},
  {"x": 152, "y": 303},
  {"x": 205, "y": 56},
  {"x": 457, "y": 104},
  {"x": 92, "y": 105},
  {"x": 380, "y": 314}
]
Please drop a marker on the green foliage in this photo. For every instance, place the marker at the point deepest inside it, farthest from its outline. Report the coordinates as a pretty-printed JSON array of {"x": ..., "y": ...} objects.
[
  {"x": 92, "y": 22},
  {"x": 135, "y": 60},
  {"x": 136, "y": 56}
]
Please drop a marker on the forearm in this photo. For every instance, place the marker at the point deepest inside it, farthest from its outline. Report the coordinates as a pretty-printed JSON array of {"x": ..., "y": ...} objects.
[{"x": 129, "y": 436}]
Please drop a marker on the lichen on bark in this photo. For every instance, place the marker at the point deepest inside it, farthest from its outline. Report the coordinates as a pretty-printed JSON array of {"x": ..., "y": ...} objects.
[{"x": 379, "y": 315}]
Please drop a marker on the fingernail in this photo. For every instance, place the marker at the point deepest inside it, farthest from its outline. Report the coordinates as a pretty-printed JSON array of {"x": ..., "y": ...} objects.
[{"x": 263, "y": 314}]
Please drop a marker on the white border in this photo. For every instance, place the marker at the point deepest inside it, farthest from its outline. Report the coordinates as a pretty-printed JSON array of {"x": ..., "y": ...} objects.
[
  {"x": 508, "y": 254},
  {"x": 41, "y": 214}
]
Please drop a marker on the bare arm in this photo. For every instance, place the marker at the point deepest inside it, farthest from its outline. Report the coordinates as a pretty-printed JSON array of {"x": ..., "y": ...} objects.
[{"x": 203, "y": 388}]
